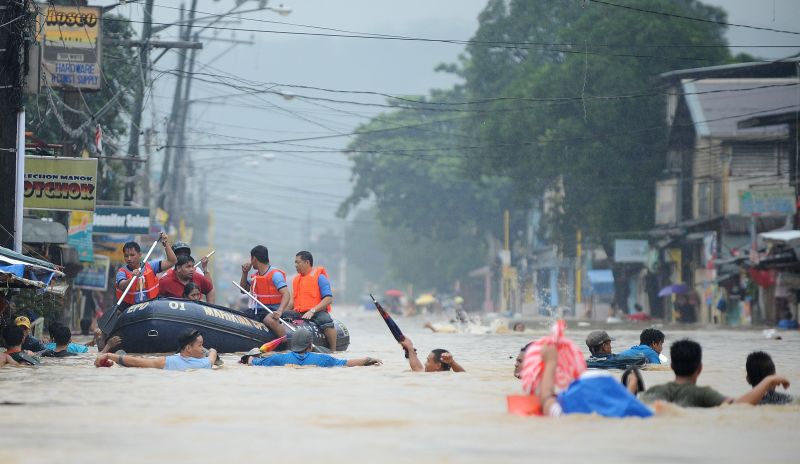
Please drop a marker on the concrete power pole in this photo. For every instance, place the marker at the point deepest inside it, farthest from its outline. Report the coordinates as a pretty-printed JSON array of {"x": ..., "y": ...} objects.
[
  {"x": 169, "y": 171},
  {"x": 15, "y": 33},
  {"x": 138, "y": 102}
]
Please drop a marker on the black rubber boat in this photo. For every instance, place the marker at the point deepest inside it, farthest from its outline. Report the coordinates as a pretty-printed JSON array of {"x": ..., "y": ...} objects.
[{"x": 154, "y": 327}]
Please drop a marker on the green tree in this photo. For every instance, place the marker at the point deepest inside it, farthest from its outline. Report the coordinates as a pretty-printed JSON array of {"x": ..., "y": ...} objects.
[
  {"x": 604, "y": 143},
  {"x": 434, "y": 216}
]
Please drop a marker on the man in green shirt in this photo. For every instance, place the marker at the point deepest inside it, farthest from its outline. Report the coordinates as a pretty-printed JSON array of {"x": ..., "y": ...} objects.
[{"x": 687, "y": 364}]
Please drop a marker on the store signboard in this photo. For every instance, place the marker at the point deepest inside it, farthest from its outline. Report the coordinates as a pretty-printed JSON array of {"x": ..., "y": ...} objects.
[
  {"x": 71, "y": 38},
  {"x": 58, "y": 183}
]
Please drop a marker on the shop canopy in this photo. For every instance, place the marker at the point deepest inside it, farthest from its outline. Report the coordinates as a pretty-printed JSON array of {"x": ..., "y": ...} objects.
[
  {"x": 20, "y": 271},
  {"x": 602, "y": 281}
]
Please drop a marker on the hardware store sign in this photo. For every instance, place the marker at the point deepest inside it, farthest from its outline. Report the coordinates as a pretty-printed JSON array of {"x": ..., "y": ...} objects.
[{"x": 70, "y": 37}]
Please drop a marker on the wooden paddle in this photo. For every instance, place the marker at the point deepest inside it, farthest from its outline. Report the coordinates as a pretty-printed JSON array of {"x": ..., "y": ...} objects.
[
  {"x": 106, "y": 323},
  {"x": 321, "y": 349}
]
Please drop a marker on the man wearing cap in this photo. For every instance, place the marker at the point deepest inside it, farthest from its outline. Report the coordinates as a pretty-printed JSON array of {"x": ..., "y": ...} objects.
[
  {"x": 599, "y": 343},
  {"x": 29, "y": 342},
  {"x": 300, "y": 354}
]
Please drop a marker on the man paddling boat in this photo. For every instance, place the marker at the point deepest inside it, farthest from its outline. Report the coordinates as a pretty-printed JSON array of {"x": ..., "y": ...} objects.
[
  {"x": 146, "y": 285},
  {"x": 268, "y": 286}
]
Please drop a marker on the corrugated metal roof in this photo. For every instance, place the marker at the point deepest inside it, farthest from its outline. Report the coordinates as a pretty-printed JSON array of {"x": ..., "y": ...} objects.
[
  {"x": 12, "y": 257},
  {"x": 779, "y": 68},
  {"x": 718, "y": 114}
]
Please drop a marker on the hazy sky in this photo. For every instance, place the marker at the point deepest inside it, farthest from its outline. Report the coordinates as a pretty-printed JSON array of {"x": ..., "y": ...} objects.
[{"x": 271, "y": 201}]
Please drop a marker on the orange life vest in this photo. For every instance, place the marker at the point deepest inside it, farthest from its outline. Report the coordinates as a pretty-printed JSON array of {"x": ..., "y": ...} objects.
[
  {"x": 147, "y": 284},
  {"x": 306, "y": 290},
  {"x": 262, "y": 287}
]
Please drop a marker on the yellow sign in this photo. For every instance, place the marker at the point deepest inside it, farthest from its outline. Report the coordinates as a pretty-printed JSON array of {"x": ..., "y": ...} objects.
[
  {"x": 60, "y": 183},
  {"x": 70, "y": 37}
]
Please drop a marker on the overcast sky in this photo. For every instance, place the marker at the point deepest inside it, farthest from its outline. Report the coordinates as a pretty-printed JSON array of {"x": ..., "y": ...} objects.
[{"x": 271, "y": 201}]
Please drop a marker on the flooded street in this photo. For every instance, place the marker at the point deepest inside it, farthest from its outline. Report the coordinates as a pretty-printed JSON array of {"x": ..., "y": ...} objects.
[{"x": 70, "y": 409}]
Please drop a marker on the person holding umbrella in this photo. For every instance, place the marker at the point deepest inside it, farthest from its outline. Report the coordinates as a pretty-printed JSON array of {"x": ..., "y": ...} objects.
[{"x": 438, "y": 360}]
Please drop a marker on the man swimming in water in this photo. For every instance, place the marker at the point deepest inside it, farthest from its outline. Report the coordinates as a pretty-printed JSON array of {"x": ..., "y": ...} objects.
[
  {"x": 518, "y": 362},
  {"x": 191, "y": 356},
  {"x": 687, "y": 364},
  {"x": 438, "y": 360}
]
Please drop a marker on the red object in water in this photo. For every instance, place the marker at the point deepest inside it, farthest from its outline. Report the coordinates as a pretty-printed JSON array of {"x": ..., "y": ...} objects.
[
  {"x": 269, "y": 346},
  {"x": 394, "y": 292},
  {"x": 523, "y": 405},
  {"x": 639, "y": 317},
  {"x": 570, "y": 365}
]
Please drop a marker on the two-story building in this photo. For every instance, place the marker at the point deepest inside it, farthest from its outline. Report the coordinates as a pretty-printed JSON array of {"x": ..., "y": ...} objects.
[{"x": 724, "y": 182}]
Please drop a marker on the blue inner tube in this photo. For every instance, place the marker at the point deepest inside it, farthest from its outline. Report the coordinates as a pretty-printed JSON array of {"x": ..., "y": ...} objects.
[{"x": 154, "y": 326}]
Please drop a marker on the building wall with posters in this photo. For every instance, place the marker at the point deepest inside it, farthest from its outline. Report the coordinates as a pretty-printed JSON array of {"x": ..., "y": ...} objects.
[{"x": 722, "y": 178}]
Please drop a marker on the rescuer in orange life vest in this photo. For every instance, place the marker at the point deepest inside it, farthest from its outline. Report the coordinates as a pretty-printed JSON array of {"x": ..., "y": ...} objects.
[
  {"x": 146, "y": 287},
  {"x": 311, "y": 298},
  {"x": 268, "y": 285}
]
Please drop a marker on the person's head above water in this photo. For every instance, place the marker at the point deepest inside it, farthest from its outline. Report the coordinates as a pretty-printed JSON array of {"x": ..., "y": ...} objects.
[
  {"x": 519, "y": 360},
  {"x": 687, "y": 358},
  {"x": 759, "y": 365},
  {"x": 62, "y": 335},
  {"x": 599, "y": 342},
  {"x": 190, "y": 344},
  {"x": 301, "y": 341},
  {"x": 434, "y": 362},
  {"x": 13, "y": 335},
  {"x": 653, "y": 338},
  {"x": 519, "y": 327}
]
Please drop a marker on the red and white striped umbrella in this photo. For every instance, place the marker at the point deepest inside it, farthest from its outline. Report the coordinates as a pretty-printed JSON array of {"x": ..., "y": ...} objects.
[{"x": 570, "y": 360}]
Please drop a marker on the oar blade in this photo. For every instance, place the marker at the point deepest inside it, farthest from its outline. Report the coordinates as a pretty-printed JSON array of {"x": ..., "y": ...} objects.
[{"x": 273, "y": 345}]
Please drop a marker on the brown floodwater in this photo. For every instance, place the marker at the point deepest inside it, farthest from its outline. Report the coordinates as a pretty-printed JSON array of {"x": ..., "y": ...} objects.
[{"x": 69, "y": 411}]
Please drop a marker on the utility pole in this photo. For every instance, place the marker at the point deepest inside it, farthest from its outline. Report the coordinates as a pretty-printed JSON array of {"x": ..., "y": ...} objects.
[
  {"x": 17, "y": 30},
  {"x": 173, "y": 202},
  {"x": 138, "y": 102}
]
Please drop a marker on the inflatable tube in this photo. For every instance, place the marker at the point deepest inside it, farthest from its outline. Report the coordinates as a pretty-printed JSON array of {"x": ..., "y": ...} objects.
[
  {"x": 616, "y": 362},
  {"x": 154, "y": 326}
]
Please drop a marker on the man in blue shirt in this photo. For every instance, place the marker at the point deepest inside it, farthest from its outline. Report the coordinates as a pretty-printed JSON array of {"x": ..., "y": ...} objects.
[
  {"x": 192, "y": 355},
  {"x": 651, "y": 343},
  {"x": 301, "y": 355}
]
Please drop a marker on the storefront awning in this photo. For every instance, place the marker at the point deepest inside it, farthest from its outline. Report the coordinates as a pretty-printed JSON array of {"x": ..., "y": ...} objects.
[
  {"x": 602, "y": 281},
  {"x": 20, "y": 271}
]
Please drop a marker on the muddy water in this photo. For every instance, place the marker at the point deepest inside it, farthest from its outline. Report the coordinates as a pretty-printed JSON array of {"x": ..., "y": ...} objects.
[{"x": 73, "y": 412}]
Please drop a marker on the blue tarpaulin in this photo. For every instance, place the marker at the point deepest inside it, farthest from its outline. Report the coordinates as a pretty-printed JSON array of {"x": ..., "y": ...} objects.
[{"x": 602, "y": 282}]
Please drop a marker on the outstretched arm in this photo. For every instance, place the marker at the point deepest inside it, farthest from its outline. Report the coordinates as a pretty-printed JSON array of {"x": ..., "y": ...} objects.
[
  {"x": 413, "y": 360},
  {"x": 757, "y": 393},
  {"x": 364, "y": 362},
  {"x": 132, "y": 361}
]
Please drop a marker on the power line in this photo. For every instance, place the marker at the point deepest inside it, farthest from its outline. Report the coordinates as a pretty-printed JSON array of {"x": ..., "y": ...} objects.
[
  {"x": 420, "y": 39},
  {"x": 479, "y": 42},
  {"x": 689, "y": 18}
]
